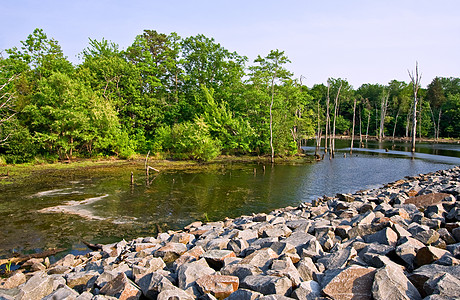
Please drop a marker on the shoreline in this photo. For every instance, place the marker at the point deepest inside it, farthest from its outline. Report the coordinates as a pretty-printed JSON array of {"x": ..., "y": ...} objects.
[{"x": 407, "y": 231}]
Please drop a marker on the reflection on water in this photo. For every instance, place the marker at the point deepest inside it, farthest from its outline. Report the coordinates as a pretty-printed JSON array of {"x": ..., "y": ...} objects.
[{"x": 173, "y": 199}]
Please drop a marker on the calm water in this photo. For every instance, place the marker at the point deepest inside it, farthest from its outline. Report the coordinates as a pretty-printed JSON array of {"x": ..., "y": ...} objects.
[{"x": 114, "y": 209}]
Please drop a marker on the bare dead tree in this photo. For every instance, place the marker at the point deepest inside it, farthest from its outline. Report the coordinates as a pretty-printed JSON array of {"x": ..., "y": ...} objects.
[
  {"x": 415, "y": 78},
  {"x": 383, "y": 112},
  {"x": 336, "y": 111},
  {"x": 328, "y": 119},
  {"x": 353, "y": 127}
]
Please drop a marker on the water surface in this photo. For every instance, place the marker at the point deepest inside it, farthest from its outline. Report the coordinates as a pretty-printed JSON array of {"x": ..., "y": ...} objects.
[{"x": 34, "y": 215}]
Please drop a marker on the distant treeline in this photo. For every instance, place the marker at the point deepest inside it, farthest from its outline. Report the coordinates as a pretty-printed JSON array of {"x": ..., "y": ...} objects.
[{"x": 189, "y": 98}]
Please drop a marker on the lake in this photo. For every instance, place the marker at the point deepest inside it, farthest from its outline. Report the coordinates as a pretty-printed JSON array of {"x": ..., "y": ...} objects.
[{"x": 61, "y": 208}]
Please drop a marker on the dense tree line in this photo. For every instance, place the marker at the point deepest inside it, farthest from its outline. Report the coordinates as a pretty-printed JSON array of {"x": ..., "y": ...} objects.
[{"x": 190, "y": 98}]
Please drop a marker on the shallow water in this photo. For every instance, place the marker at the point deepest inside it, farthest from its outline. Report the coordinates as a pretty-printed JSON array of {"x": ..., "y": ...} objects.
[{"x": 60, "y": 208}]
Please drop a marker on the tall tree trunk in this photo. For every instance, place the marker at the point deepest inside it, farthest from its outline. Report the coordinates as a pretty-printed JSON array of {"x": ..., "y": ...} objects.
[
  {"x": 439, "y": 122},
  {"x": 353, "y": 130},
  {"x": 368, "y": 121},
  {"x": 328, "y": 119},
  {"x": 435, "y": 128},
  {"x": 272, "y": 160},
  {"x": 408, "y": 121},
  {"x": 336, "y": 111},
  {"x": 415, "y": 79},
  {"x": 396, "y": 123},
  {"x": 360, "y": 131},
  {"x": 383, "y": 110},
  {"x": 318, "y": 134}
]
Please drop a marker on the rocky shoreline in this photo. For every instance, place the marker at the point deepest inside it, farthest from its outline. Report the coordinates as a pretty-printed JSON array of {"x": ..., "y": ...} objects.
[{"x": 401, "y": 241}]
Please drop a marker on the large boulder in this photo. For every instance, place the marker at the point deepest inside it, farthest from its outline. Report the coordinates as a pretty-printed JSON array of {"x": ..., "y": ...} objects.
[
  {"x": 37, "y": 287},
  {"x": 121, "y": 287},
  {"x": 391, "y": 283},
  {"x": 188, "y": 273},
  {"x": 354, "y": 282},
  {"x": 220, "y": 286},
  {"x": 267, "y": 284}
]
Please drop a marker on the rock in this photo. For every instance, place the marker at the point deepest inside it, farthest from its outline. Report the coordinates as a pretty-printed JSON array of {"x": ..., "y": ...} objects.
[
  {"x": 68, "y": 261},
  {"x": 171, "y": 251},
  {"x": 182, "y": 237},
  {"x": 63, "y": 293},
  {"x": 37, "y": 287},
  {"x": 152, "y": 284},
  {"x": 122, "y": 288},
  {"x": 241, "y": 270},
  {"x": 307, "y": 269},
  {"x": 427, "y": 200},
  {"x": 215, "y": 258},
  {"x": 337, "y": 259},
  {"x": 391, "y": 283},
  {"x": 174, "y": 294},
  {"x": 429, "y": 254},
  {"x": 299, "y": 240},
  {"x": 260, "y": 258},
  {"x": 188, "y": 273},
  {"x": 443, "y": 284},
  {"x": 285, "y": 267},
  {"x": 424, "y": 273},
  {"x": 13, "y": 281},
  {"x": 400, "y": 231},
  {"x": 354, "y": 282},
  {"x": 81, "y": 280},
  {"x": 427, "y": 237},
  {"x": 307, "y": 290},
  {"x": 281, "y": 248},
  {"x": 456, "y": 234},
  {"x": 385, "y": 236},
  {"x": 220, "y": 286},
  {"x": 189, "y": 256},
  {"x": 217, "y": 244},
  {"x": 267, "y": 284},
  {"x": 446, "y": 236},
  {"x": 275, "y": 297},
  {"x": 237, "y": 245},
  {"x": 244, "y": 294}
]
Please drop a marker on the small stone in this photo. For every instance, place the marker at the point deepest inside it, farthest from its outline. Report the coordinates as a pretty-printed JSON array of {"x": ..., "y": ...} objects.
[
  {"x": 220, "y": 286},
  {"x": 237, "y": 245},
  {"x": 354, "y": 282},
  {"x": 122, "y": 288}
]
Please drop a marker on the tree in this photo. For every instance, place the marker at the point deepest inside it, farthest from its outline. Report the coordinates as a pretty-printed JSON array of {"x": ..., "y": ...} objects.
[
  {"x": 7, "y": 110},
  {"x": 415, "y": 78},
  {"x": 267, "y": 72}
]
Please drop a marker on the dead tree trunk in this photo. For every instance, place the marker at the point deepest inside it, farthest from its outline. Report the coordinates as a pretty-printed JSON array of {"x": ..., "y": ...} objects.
[
  {"x": 328, "y": 119},
  {"x": 396, "y": 122},
  {"x": 368, "y": 121},
  {"x": 360, "y": 130},
  {"x": 318, "y": 135},
  {"x": 439, "y": 122},
  {"x": 353, "y": 127},
  {"x": 336, "y": 110},
  {"x": 383, "y": 111},
  {"x": 415, "y": 79}
]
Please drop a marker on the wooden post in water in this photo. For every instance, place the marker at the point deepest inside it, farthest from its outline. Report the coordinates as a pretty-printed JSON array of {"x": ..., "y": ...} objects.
[{"x": 132, "y": 178}]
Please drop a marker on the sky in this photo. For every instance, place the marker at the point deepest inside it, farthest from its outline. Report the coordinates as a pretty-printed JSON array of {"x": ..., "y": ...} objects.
[{"x": 362, "y": 41}]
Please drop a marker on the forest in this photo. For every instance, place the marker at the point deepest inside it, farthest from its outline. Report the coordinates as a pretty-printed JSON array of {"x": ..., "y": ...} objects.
[{"x": 191, "y": 98}]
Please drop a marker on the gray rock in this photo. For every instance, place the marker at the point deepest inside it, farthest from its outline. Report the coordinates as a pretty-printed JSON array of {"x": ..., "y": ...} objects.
[
  {"x": 454, "y": 249},
  {"x": 152, "y": 284},
  {"x": 63, "y": 293},
  {"x": 424, "y": 273},
  {"x": 307, "y": 269},
  {"x": 299, "y": 240},
  {"x": 446, "y": 236},
  {"x": 13, "y": 281},
  {"x": 427, "y": 237},
  {"x": 121, "y": 287},
  {"x": 174, "y": 293},
  {"x": 391, "y": 283},
  {"x": 285, "y": 267},
  {"x": 307, "y": 290},
  {"x": 188, "y": 273},
  {"x": 37, "y": 287},
  {"x": 275, "y": 297},
  {"x": 215, "y": 258},
  {"x": 260, "y": 258},
  {"x": 80, "y": 281},
  {"x": 240, "y": 270},
  {"x": 429, "y": 254},
  {"x": 237, "y": 245},
  {"x": 244, "y": 294},
  {"x": 171, "y": 251},
  {"x": 456, "y": 234},
  {"x": 267, "y": 284},
  {"x": 337, "y": 259},
  {"x": 385, "y": 236},
  {"x": 443, "y": 284}
]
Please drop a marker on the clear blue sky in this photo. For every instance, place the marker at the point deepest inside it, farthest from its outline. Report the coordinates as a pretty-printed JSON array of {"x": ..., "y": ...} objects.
[{"x": 363, "y": 41}]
